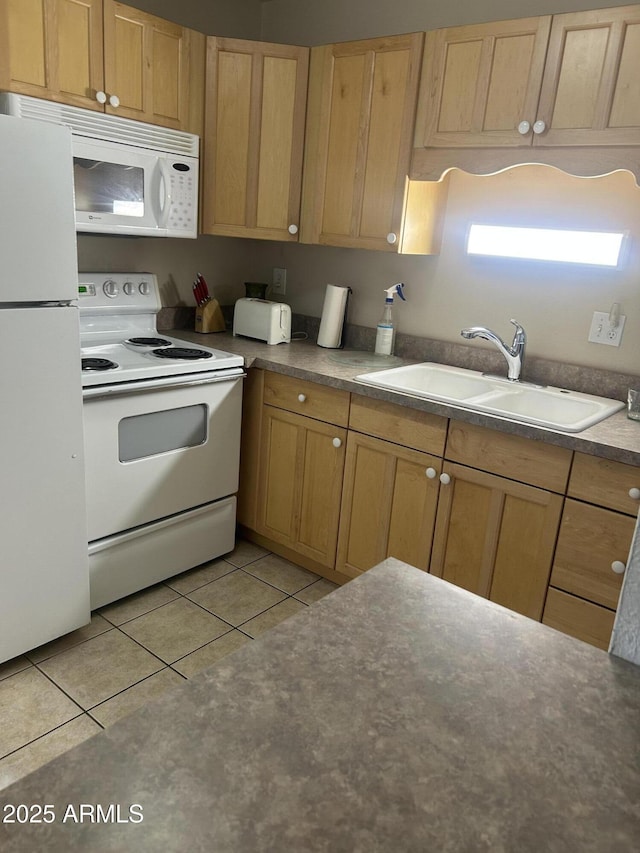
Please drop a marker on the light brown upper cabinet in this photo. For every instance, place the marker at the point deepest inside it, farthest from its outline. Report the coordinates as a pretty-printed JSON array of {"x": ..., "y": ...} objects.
[
  {"x": 255, "y": 114},
  {"x": 361, "y": 108},
  {"x": 479, "y": 83},
  {"x": 102, "y": 55},
  {"x": 591, "y": 88},
  {"x": 54, "y": 50},
  {"x": 154, "y": 68},
  {"x": 566, "y": 80}
]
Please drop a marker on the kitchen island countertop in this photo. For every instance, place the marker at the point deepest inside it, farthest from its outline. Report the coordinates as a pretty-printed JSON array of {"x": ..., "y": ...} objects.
[
  {"x": 616, "y": 438},
  {"x": 399, "y": 713}
]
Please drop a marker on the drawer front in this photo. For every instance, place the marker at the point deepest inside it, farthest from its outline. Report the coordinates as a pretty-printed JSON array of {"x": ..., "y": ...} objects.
[
  {"x": 510, "y": 456},
  {"x": 606, "y": 483},
  {"x": 590, "y": 539},
  {"x": 580, "y": 619},
  {"x": 307, "y": 398},
  {"x": 407, "y": 427}
]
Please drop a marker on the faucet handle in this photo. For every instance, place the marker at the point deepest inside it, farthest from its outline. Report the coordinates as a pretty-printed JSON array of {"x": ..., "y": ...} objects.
[{"x": 519, "y": 335}]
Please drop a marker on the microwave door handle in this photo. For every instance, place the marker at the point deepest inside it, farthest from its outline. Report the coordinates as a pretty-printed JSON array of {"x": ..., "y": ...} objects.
[{"x": 164, "y": 193}]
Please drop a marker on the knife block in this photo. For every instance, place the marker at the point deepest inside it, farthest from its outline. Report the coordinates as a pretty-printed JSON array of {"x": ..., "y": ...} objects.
[{"x": 209, "y": 318}]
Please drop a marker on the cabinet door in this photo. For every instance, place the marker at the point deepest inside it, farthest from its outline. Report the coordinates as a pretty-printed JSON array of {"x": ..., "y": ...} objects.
[
  {"x": 480, "y": 82},
  {"x": 54, "y": 50},
  {"x": 591, "y": 89},
  {"x": 591, "y": 540},
  {"x": 300, "y": 483},
  {"x": 149, "y": 68},
  {"x": 388, "y": 505},
  {"x": 255, "y": 113},
  {"x": 495, "y": 537},
  {"x": 361, "y": 109}
]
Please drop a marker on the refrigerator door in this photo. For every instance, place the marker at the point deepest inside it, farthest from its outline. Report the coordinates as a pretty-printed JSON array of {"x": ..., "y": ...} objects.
[
  {"x": 37, "y": 227},
  {"x": 44, "y": 576}
]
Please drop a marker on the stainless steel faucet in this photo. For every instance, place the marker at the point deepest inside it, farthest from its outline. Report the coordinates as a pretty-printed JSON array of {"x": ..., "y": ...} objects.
[{"x": 514, "y": 354}]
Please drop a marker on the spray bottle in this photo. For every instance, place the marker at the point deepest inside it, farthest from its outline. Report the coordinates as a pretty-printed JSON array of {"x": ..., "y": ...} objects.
[{"x": 385, "y": 332}]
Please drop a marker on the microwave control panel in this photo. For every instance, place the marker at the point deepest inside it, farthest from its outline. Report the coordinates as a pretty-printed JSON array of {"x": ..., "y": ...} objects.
[{"x": 183, "y": 181}]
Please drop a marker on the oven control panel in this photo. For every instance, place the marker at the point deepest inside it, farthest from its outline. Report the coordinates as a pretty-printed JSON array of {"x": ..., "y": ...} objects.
[{"x": 118, "y": 293}]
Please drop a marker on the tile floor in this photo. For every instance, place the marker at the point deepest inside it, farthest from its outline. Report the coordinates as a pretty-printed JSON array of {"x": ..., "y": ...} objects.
[{"x": 134, "y": 649}]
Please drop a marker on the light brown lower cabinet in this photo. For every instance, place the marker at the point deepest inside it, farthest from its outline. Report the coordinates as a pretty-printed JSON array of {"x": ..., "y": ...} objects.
[
  {"x": 388, "y": 505},
  {"x": 579, "y": 618},
  {"x": 300, "y": 483},
  {"x": 495, "y": 537}
]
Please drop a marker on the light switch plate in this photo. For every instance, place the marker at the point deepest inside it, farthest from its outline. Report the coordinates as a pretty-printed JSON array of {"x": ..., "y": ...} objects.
[{"x": 602, "y": 332}]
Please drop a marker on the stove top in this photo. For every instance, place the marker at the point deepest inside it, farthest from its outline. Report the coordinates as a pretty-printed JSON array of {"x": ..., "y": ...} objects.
[{"x": 118, "y": 336}]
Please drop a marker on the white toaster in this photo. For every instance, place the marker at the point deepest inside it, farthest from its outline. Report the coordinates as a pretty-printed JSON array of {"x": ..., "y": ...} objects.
[{"x": 263, "y": 320}]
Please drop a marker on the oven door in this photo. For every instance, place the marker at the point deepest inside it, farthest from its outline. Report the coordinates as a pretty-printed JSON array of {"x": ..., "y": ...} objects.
[{"x": 153, "y": 450}]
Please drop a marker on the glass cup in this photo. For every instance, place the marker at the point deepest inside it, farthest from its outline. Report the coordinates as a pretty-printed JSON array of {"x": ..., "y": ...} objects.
[{"x": 633, "y": 404}]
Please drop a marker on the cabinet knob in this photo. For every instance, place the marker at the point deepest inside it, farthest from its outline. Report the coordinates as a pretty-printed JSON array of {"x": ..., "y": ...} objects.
[
  {"x": 302, "y": 398},
  {"x": 445, "y": 479},
  {"x": 292, "y": 229},
  {"x": 114, "y": 101},
  {"x": 634, "y": 494},
  {"x": 524, "y": 127},
  {"x": 392, "y": 238},
  {"x": 431, "y": 473},
  {"x": 539, "y": 126},
  {"x": 618, "y": 567},
  {"x": 101, "y": 97},
  {"x": 337, "y": 442}
]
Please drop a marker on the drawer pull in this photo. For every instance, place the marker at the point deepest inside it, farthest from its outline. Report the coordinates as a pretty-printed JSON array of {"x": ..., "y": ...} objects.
[
  {"x": 618, "y": 567},
  {"x": 431, "y": 473},
  {"x": 302, "y": 398},
  {"x": 337, "y": 442},
  {"x": 634, "y": 494},
  {"x": 445, "y": 479}
]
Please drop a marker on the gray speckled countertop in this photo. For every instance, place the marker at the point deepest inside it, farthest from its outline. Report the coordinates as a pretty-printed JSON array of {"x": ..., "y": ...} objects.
[
  {"x": 616, "y": 438},
  {"x": 377, "y": 720}
]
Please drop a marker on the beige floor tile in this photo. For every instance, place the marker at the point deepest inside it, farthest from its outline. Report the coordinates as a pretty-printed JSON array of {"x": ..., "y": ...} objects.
[
  {"x": 46, "y": 748},
  {"x": 137, "y": 604},
  {"x": 135, "y": 697},
  {"x": 281, "y": 573},
  {"x": 244, "y": 553},
  {"x": 101, "y": 667},
  {"x": 14, "y": 665},
  {"x": 176, "y": 629},
  {"x": 211, "y": 653},
  {"x": 271, "y": 618},
  {"x": 30, "y": 706},
  {"x": 188, "y": 581},
  {"x": 237, "y": 597},
  {"x": 98, "y": 625},
  {"x": 316, "y": 591}
]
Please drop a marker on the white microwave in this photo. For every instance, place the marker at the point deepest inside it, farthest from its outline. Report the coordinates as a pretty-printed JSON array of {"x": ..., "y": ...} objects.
[{"x": 129, "y": 177}]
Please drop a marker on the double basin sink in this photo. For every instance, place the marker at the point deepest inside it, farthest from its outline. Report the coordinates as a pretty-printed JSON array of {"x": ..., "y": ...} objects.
[{"x": 552, "y": 408}]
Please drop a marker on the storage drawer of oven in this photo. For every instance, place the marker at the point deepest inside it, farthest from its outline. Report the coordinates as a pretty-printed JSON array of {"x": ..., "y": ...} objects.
[{"x": 152, "y": 455}]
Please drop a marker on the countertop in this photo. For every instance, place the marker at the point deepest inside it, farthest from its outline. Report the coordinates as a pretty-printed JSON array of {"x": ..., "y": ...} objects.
[
  {"x": 399, "y": 713},
  {"x": 616, "y": 438}
]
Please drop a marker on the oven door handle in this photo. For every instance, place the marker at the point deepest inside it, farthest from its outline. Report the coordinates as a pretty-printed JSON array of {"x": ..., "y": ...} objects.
[{"x": 166, "y": 383}]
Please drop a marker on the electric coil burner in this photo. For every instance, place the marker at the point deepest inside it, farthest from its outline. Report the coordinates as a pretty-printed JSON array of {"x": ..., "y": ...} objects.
[
  {"x": 98, "y": 364},
  {"x": 162, "y": 440}
]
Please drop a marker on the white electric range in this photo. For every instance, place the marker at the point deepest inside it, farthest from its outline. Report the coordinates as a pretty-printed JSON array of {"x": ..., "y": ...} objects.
[{"x": 162, "y": 439}]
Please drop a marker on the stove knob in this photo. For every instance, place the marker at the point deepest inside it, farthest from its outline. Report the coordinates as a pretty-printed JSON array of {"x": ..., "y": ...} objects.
[
  {"x": 144, "y": 288},
  {"x": 110, "y": 288},
  {"x": 128, "y": 288}
]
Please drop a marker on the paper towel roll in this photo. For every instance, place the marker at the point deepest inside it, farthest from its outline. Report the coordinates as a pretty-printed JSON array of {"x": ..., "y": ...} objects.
[{"x": 333, "y": 315}]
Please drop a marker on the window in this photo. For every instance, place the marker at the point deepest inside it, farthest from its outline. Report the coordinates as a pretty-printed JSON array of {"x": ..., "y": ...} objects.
[{"x": 600, "y": 248}]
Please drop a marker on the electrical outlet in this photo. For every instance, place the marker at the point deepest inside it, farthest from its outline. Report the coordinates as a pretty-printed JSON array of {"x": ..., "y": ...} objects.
[
  {"x": 279, "y": 285},
  {"x": 602, "y": 332}
]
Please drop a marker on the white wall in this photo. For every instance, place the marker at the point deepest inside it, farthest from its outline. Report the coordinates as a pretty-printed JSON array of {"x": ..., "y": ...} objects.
[
  {"x": 311, "y": 22},
  {"x": 230, "y": 18}
]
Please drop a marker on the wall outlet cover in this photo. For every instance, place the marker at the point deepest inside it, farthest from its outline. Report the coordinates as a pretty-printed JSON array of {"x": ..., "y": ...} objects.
[{"x": 602, "y": 332}]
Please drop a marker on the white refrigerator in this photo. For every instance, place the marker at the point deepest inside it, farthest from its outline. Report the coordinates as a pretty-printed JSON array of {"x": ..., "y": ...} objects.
[{"x": 44, "y": 579}]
